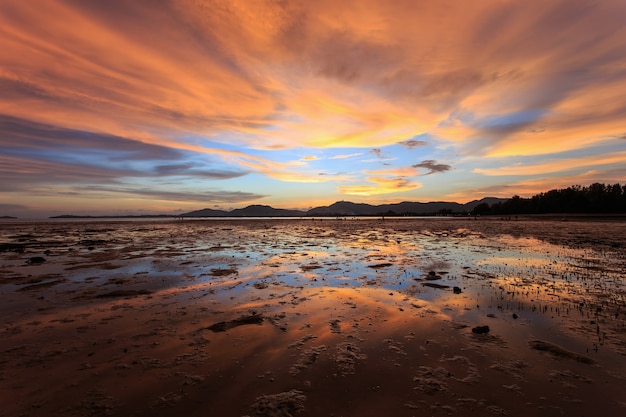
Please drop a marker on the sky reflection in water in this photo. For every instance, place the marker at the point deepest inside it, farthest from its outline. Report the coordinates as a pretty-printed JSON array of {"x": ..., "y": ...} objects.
[{"x": 368, "y": 302}]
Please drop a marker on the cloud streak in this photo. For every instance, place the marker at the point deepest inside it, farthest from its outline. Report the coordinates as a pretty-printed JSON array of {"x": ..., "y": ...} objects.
[
  {"x": 46, "y": 152},
  {"x": 380, "y": 185},
  {"x": 555, "y": 166},
  {"x": 234, "y": 93},
  {"x": 213, "y": 196}
]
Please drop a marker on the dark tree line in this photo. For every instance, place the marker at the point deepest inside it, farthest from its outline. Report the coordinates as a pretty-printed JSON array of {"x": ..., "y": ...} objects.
[{"x": 596, "y": 198}]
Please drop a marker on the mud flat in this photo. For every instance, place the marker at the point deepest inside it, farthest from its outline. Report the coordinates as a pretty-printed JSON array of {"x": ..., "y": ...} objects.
[{"x": 415, "y": 317}]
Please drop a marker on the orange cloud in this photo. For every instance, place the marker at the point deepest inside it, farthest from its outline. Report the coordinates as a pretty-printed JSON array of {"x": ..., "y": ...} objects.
[
  {"x": 397, "y": 172},
  {"x": 322, "y": 74},
  {"x": 382, "y": 186},
  {"x": 555, "y": 166},
  {"x": 478, "y": 79}
]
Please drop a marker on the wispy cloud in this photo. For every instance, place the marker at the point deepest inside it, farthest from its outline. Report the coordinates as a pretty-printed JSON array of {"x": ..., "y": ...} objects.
[
  {"x": 346, "y": 156},
  {"x": 378, "y": 152},
  {"x": 432, "y": 166},
  {"x": 11, "y": 208},
  {"x": 379, "y": 156},
  {"x": 192, "y": 170},
  {"x": 380, "y": 185},
  {"x": 396, "y": 172},
  {"x": 236, "y": 91},
  {"x": 212, "y": 196},
  {"x": 559, "y": 165},
  {"x": 44, "y": 153},
  {"x": 413, "y": 143},
  {"x": 210, "y": 69}
]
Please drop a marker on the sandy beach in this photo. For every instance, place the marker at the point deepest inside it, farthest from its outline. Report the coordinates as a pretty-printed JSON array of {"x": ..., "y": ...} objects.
[{"x": 301, "y": 317}]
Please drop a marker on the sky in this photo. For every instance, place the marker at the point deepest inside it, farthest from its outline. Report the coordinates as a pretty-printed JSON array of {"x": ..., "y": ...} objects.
[{"x": 148, "y": 106}]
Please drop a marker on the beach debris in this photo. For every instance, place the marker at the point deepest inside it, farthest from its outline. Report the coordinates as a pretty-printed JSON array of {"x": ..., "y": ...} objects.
[
  {"x": 36, "y": 260},
  {"x": 347, "y": 356},
  {"x": 284, "y": 404},
  {"x": 299, "y": 343},
  {"x": 513, "y": 367},
  {"x": 279, "y": 320},
  {"x": 307, "y": 358},
  {"x": 457, "y": 290},
  {"x": 223, "y": 326},
  {"x": 432, "y": 276},
  {"x": 199, "y": 340},
  {"x": 558, "y": 352},
  {"x": 305, "y": 268},
  {"x": 480, "y": 329},
  {"x": 41, "y": 285},
  {"x": 567, "y": 378},
  {"x": 434, "y": 285},
  {"x": 335, "y": 327},
  {"x": 124, "y": 293},
  {"x": 92, "y": 243},
  {"x": 472, "y": 376},
  {"x": 260, "y": 285},
  {"x": 431, "y": 380},
  {"x": 96, "y": 402},
  {"x": 218, "y": 248},
  {"x": 222, "y": 272},
  {"x": 380, "y": 265},
  {"x": 12, "y": 247}
]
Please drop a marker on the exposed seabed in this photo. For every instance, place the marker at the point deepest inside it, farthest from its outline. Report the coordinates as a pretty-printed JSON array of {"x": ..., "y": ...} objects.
[{"x": 313, "y": 318}]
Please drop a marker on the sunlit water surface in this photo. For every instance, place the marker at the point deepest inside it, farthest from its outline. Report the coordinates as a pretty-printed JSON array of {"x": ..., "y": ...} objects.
[{"x": 321, "y": 317}]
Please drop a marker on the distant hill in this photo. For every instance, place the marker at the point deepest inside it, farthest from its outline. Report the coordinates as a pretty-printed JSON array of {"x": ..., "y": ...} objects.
[
  {"x": 594, "y": 199},
  {"x": 207, "y": 212},
  {"x": 344, "y": 208},
  {"x": 347, "y": 208},
  {"x": 265, "y": 211},
  {"x": 340, "y": 208},
  {"x": 250, "y": 211},
  {"x": 490, "y": 201}
]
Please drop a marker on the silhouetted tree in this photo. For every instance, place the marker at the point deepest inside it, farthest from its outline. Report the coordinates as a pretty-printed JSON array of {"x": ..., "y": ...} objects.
[
  {"x": 597, "y": 198},
  {"x": 481, "y": 209}
]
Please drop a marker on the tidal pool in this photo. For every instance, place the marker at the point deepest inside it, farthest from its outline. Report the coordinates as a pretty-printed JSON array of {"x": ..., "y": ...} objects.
[{"x": 301, "y": 317}]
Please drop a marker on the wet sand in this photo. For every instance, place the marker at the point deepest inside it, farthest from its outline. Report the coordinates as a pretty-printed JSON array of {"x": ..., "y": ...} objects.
[{"x": 415, "y": 317}]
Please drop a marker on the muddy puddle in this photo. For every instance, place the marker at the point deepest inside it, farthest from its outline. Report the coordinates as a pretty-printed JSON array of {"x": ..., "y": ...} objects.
[{"x": 415, "y": 317}]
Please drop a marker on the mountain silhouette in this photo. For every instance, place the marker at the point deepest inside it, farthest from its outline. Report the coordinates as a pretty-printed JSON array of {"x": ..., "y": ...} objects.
[{"x": 347, "y": 208}]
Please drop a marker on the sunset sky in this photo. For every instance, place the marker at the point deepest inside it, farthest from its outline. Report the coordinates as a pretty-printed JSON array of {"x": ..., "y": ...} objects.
[{"x": 135, "y": 107}]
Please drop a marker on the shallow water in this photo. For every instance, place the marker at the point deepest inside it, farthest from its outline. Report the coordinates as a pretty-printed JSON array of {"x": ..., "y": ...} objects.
[{"x": 343, "y": 318}]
